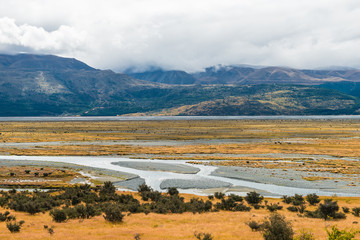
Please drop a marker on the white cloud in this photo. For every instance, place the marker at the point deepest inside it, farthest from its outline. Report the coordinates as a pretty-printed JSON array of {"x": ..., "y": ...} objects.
[
  {"x": 186, "y": 34},
  {"x": 14, "y": 38}
]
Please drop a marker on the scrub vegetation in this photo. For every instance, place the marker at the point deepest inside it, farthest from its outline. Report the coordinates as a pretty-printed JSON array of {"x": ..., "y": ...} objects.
[{"x": 101, "y": 212}]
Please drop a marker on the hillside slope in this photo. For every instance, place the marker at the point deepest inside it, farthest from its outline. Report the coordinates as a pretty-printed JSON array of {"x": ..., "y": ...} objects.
[{"x": 45, "y": 85}]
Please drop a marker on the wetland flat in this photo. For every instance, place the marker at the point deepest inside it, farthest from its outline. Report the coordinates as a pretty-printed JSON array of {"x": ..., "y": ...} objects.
[
  {"x": 274, "y": 157},
  {"x": 320, "y": 154}
]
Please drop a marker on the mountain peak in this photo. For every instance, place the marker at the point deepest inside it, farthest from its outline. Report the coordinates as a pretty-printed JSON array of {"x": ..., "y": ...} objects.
[{"x": 41, "y": 62}]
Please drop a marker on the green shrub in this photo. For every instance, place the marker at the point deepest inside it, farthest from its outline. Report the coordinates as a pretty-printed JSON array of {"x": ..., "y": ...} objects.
[
  {"x": 14, "y": 226},
  {"x": 312, "y": 199},
  {"x": 253, "y": 198},
  {"x": 298, "y": 200},
  {"x": 173, "y": 191},
  {"x": 293, "y": 209},
  {"x": 336, "y": 234},
  {"x": 241, "y": 208},
  {"x": 301, "y": 208},
  {"x": 287, "y": 199},
  {"x": 203, "y": 236},
  {"x": 58, "y": 215},
  {"x": 273, "y": 207},
  {"x": 255, "y": 226},
  {"x": 236, "y": 198},
  {"x": 144, "y": 188},
  {"x": 346, "y": 209},
  {"x": 219, "y": 195},
  {"x": 107, "y": 191},
  {"x": 276, "y": 227},
  {"x": 6, "y": 217},
  {"x": 356, "y": 211},
  {"x": 257, "y": 206},
  {"x": 113, "y": 213},
  {"x": 328, "y": 209}
]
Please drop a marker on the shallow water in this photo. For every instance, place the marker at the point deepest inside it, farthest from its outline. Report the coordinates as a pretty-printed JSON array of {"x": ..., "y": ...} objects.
[{"x": 155, "y": 178}]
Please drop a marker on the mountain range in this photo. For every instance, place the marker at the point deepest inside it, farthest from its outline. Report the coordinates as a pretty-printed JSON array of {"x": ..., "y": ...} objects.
[
  {"x": 47, "y": 85},
  {"x": 251, "y": 75}
]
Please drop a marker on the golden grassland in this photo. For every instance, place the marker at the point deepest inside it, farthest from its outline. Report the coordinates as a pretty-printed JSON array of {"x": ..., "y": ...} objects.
[
  {"x": 39, "y": 177},
  {"x": 333, "y": 137},
  {"x": 337, "y": 148},
  {"x": 222, "y": 225},
  {"x": 337, "y": 138},
  {"x": 177, "y": 130}
]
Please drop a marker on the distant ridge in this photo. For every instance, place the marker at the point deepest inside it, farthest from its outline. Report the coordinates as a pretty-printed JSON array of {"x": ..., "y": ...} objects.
[
  {"x": 169, "y": 77},
  {"x": 41, "y": 62},
  {"x": 244, "y": 74},
  {"x": 47, "y": 85}
]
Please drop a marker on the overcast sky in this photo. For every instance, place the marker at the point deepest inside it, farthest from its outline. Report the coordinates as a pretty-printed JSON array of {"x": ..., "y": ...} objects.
[{"x": 185, "y": 34}]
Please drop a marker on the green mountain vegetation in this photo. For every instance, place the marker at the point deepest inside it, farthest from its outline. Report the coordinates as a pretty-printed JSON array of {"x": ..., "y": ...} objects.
[{"x": 45, "y": 85}]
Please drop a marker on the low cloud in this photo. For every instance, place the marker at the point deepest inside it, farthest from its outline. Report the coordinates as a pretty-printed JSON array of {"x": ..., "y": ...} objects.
[
  {"x": 186, "y": 34},
  {"x": 18, "y": 38}
]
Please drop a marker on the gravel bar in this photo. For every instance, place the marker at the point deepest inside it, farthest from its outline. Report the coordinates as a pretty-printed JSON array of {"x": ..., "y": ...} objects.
[
  {"x": 162, "y": 167},
  {"x": 204, "y": 183}
]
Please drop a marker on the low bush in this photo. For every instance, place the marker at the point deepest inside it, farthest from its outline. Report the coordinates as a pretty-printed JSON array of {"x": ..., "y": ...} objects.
[
  {"x": 356, "y": 211},
  {"x": 292, "y": 209},
  {"x": 236, "y": 198},
  {"x": 346, "y": 209},
  {"x": 287, "y": 199},
  {"x": 242, "y": 208},
  {"x": 6, "y": 217},
  {"x": 301, "y": 208},
  {"x": 253, "y": 198},
  {"x": 58, "y": 215},
  {"x": 336, "y": 234},
  {"x": 203, "y": 236},
  {"x": 273, "y": 207},
  {"x": 172, "y": 191},
  {"x": 328, "y": 209},
  {"x": 255, "y": 226},
  {"x": 14, "y": 227},
  {"x": 276, "y": 227},
  {"x": 312, "y": 199},
  {"x": 298, "y": 200},
  {"x": 219, "y": 195},
  {"x": 113, "y": 213}
]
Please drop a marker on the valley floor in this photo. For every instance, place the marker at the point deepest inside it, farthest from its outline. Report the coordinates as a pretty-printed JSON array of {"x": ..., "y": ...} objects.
[{"x": 318, "y": 154}]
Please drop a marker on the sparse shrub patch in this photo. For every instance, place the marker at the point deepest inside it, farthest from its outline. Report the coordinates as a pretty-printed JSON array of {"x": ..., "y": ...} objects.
[
  {"x": 14, "y": 227},
  {"x": 276, "y": 227},
  {"x": 113, "y": 214},
  {"x": 312, "y": 199},
  {"x": 253, "y": 198},
  {"x": 255, "y": 226}
]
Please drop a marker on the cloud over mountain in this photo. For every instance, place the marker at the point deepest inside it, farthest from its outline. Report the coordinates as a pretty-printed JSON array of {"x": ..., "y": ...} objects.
[{"x": 186, "y": 34}]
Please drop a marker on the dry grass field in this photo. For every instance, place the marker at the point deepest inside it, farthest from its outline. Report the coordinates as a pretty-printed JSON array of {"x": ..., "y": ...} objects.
[
  {"x": 335, "y": 138},
  {"x": 36, "y": 177},
  {"x": 222, "y": 225}
]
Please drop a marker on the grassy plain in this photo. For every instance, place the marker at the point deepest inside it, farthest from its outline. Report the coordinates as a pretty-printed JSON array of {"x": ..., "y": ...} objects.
[
  {"x": 222, "y": 225},
  {"x": 36, "y": 177},
  {"x": 335, "y": 138}
]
